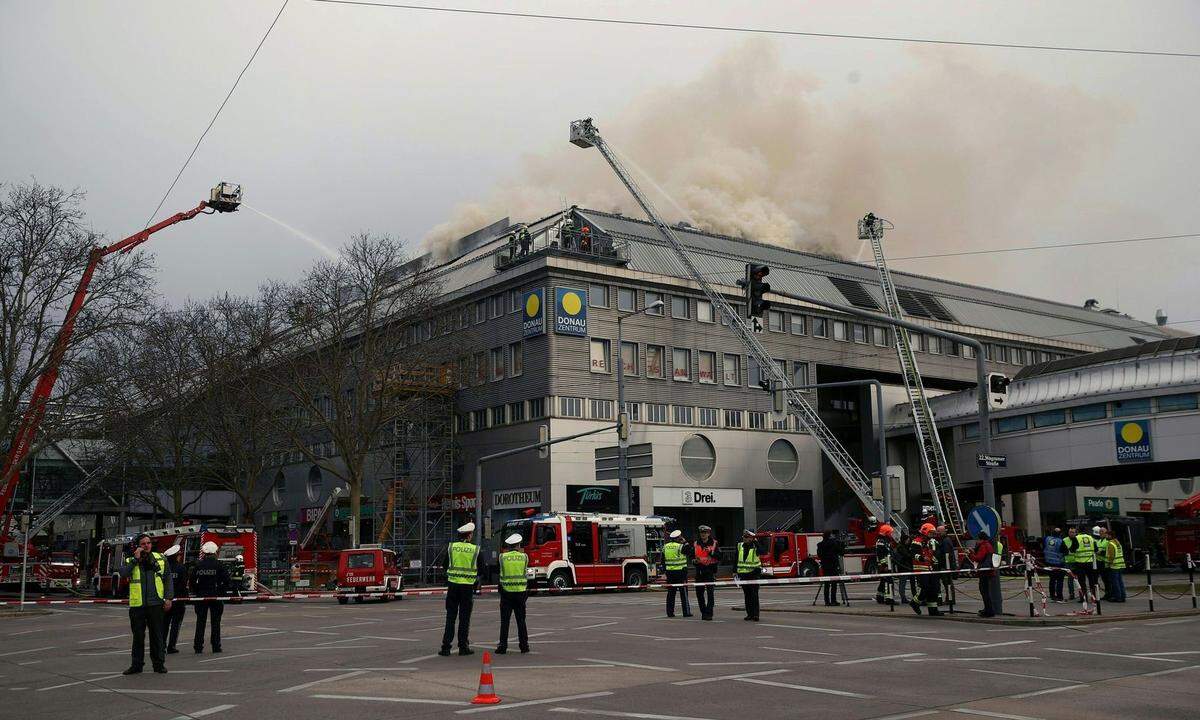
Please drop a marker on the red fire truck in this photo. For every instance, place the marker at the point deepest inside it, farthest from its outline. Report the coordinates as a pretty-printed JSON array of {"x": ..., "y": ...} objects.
[
  {"x": 568, "y": 548},
  {"x": 231, "y": 540},
  {"x": 788, "y": 554},
  {"x": 1182, "y": 534},
  {"x": 368, "y": 569}
]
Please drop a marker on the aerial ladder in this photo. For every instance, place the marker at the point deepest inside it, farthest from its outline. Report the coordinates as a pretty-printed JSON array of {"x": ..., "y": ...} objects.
[
  {"x": 585, "y": 135},
  {"x": 933, "y": 457}
]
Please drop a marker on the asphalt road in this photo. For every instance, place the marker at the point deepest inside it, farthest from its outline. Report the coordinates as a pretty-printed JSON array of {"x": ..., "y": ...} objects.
[{"x": 610, "y": 655}]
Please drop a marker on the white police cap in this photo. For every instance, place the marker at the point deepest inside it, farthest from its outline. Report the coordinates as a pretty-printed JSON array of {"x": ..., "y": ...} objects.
[
  {"x": 174, "y": 549},
  {"x": 209, "y": 548},
  {"x": 676, "y": 533},
  {"x": 514, "y": 539},
  {"x": 469, "y": 527}
]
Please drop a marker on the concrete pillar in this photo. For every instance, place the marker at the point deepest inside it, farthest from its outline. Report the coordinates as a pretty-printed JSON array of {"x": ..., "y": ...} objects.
[{"x": 1026, "y": 512}]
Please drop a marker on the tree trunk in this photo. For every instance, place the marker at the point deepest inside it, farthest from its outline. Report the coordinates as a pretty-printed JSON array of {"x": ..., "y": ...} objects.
[{"x": 355, "y": 511}]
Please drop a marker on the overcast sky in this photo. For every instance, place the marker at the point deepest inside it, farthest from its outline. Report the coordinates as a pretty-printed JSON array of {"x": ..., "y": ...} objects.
[{"x": 389, "y": 120}]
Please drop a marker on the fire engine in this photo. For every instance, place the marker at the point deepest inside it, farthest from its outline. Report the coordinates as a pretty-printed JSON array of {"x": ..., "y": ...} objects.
[
  {"x": 1182, "y": 534},
  {"x": 788, "y": 554},
  {"x": 231, "y": 540},
  {"x": 368, "y": 569},
  {"x": 569, "y": 548}
]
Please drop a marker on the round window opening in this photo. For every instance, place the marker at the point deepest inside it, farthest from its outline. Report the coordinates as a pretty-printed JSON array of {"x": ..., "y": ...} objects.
[
  {"x": 698, "y": 457},
  {"x": 1146, "y": 486},
  {"x": 279, "y": 489},
  {"x": 782, "y": 461},
  {"x": 313, "y": 487},
  {"x": 1186, "y": 485}
]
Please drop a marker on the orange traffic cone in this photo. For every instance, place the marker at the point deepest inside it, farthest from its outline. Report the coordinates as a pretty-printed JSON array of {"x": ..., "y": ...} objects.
[{"x": 487, "y": 689}]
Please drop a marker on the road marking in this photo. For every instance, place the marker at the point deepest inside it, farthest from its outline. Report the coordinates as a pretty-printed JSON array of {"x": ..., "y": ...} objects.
[
  {"x": 227, "y": 657},
  {"x": 313, "y": 647},
  {"x": 79, "y": 682},
  {"x": 988, "y": 713},
  {"x": 364, "y": 622},
  {"x": 334, "y": 678},
  {"x": 992, "y": 645},
  {"x": 314, "y": 632},
  {"x": 698, "y": 681},
  {"x": 617, "y": 713},
  {"x": 1173, "y": 622},
  {"x": 995, "y": 659},
  {"x": 806, "y": 652},
  {"x": 1168, "y": 672},
  {"x": 799, "y": 627},
  {"x": 339, "y": 640},
  {"x": 110, "y": 637},
  {"x": 252, "y": 627},
  {"x": 877, "y": 659},
  {"x": 906, "y": 716},
  {"x": 205, "y": 712},
  {"x": 29, "y": 662},
  {"x": 110, "y": 652},
  {"x": 565, "y": 698},
  {"x": 1177, "y": 652},
  {"x": 602, "y": 617},
  {"x": 656, "y": 637},
  {"x": 418, "y": 659},
  {"x": 1110, "y": 654},
  {"x": 369, "y": 698},
  {"x": 806, "y": 688},
  {"x": 26, "y": 632},
  {"x": 629, "y": 664},
  {"x": 1012, "y": 674},
  {"x": 127, "y": 691},
  {"x": 263, "y": 634},
  {"x": 598, "y": 625},
  {"x": 1032, "y": 629},
  {"x": 1059, "y": 689},
  {"x": 384, "y": 637},
  {"x": 754, "y": 662},
  {"x": 549, "y": 667},
  {"x": 364, "y": 669}
]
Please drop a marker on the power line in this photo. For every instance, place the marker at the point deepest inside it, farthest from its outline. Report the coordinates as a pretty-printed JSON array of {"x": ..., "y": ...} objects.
[
  {"x": 761, "y": 31},
  {"x": 216, "y": 114}
]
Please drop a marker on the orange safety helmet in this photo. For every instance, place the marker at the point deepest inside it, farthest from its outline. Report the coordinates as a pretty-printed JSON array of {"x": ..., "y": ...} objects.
[
  {"x": 886, "y": 529},
  {"x": 928, "y": 528}
]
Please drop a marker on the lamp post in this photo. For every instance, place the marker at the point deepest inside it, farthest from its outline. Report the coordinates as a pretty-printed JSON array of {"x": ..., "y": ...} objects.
[{"x": 624, "y": 488}]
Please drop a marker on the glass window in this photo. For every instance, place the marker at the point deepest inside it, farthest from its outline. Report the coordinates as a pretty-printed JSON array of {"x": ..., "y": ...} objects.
[
  {"x": 426, "y": 329},
  {"x": 498, "y": 415},
  {"x": 497, "y": 302},
  {"x": 707, "y": 371},
  {"x": 1000, "y": 354},
  {"x": 516, "y": 412},
  {"x": 1018, "y": 356},
  {"x": 656, "y": 413},
  {"x": 312, "y": 488},
  {"x": 1083, "y": 413},
  {"x": 732, "y": 367},
  {"x": 479, "y": 419},
  {"x": 709, "y": 417},
  {"x": 755, "y": 378},
  {"x": 860, "y": 333},
  {"x": 279, "y": 489},
  {"x": 537, "y": 408},
  {"x": 629, "y": 358},
  {"x": 599, "y": 355},
  {"x": 704, "y": 311},
  {"x": 651, "y": 298},
  {"x": 481, "y": 368},
  {"x": 681, "y": 364},
  {"x": 360, "y": 561},
  {"x": 683, "y": 414},
  {"x": 626, "y": 299},
  {"x": 497, "y": 363},
  {"x": 782, "y": 365},
  {"x": 1012, "y": 424},
  {"x": 514, "y": 300},
  {"x": 1050, "y": 418},
  {"x": 654, "y": 361},
  {"x": 782, "y": 461},
  {"x": 799, "y": 373},
  {"x": 570, "y": 407},
  {"x": 968, "y": 352},
  {"x": 820, "y": 327},
  {"x": 698, "y": 457},
  {"x": 634, "y": 411},
  {"x": 797, "y": 324},
  {"x": 480, "y": 311},
  {"x": 839, "y": 330},
  {"x": 917, "y": 340},
  {"x": 516, "y": 358},
  {"x": 758, "y": 421},
  {"x": 780, "y": 424},
  {"x": 774, "y": 321},
  {"x": 1137, "y": 406},
  {"x": 933, "y": 345},
  {"x": 464, "y": 318},
  {"x": 733, "y": 418},
  {"x": 970, "y": 431},
  {"x": 679, "y": 307},
  {"x": 598, "y": 296},
  {"x": 879, "y": 336},
  {"x": 602, "y": 409},
  {"x": 1175, "y": 403}
]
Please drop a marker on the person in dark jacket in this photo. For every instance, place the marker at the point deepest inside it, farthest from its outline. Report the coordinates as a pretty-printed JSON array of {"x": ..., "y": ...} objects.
[
  {"x": 989, "y": 580},
  {"x": 150, "y": 594},
  {"x": 947, "y": 556},
  {"x": 706, "y": 556},
  {"x": 902, "y": 563},
  {"x": 179, "y": 581},
  {"x": 208, "y": 579},
  {"x": 830, "y": 551}
]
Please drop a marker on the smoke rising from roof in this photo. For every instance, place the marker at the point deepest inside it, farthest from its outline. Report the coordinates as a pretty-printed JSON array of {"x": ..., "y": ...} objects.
[{"x": 953, "y": 149}]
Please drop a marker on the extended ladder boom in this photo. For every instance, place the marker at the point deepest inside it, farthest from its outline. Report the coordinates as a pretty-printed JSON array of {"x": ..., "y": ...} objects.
[
  {"x": 933, "y": 457},
  {"x": 584, "y": 134}
]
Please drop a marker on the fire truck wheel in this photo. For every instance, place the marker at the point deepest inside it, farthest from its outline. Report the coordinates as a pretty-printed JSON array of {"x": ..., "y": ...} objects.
[
  {"x": 808, "y": 568},
  {"x": 635, "y": 578},
  {"x": 561, "y": 579},
  {"x": 343, "y": 600}
]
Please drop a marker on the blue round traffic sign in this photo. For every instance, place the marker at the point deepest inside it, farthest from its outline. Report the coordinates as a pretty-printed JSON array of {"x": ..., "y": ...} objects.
[{"x": 983, "y": 519}]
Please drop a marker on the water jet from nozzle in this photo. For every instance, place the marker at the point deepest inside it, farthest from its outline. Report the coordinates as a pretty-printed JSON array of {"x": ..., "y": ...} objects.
[{"x": 332, "y": 254}]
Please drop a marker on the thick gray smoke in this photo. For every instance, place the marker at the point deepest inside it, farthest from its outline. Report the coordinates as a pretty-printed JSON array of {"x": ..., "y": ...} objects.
[{"x": 751, "y": 148}]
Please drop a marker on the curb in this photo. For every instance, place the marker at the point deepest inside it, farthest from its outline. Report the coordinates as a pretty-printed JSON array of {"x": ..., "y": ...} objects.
[{"x": 1007, "y": 620}]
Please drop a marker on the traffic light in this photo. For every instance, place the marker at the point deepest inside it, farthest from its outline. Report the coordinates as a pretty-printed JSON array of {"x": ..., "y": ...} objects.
[
  {"x": 623, "y": 429},
  {"x": 543, "y": 436},
  {"x": 755, "y": 287},
  {"x": 998, "y": 390}
]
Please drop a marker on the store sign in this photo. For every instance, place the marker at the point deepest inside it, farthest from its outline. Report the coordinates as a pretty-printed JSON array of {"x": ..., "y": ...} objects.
[
  {"x": 697, "y": 497},
  {"x": 533, "y": 313},
  {"x": 458, "y": 502},
  {"x": 600, "y": 498},
  {"x": 570, "y": 311},
  {"x": 1101, "y": 506},
  {"x": 1133, "y": 441},
  {"x": 517, "y": 498},
  {"x": 342, "y": 512},
  {"x": 309, "y": 514}
]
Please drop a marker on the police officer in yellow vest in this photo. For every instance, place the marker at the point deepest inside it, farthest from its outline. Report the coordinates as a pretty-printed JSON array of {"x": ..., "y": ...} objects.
[
  {"x": 1114, "y": 568},
  {"x": 150, "y": 594},
  {"x": 675, "y": 564},
  {"x": 462, "y": 569},
  {"x": 749, "y": 567},
  {"x": 1084, "y": 564},
  {"x": 513, "y": 592}
]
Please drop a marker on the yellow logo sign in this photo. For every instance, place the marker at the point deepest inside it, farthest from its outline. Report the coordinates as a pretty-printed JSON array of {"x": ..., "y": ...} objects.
[
  {"x": 1132, "y": 433},
  {"x": 533, "y": 305},
  {"x": 572, "y": 303}
]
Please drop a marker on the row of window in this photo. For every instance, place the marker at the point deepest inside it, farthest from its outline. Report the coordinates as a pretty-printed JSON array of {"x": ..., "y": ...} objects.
[
  {"x": 598, "y": 409},
  {"x": 1089, "y": 413},
  {"x": 495, "y": 364},
  {"x": 698, "y": 458},
  {"x": 706, "y": 369}
]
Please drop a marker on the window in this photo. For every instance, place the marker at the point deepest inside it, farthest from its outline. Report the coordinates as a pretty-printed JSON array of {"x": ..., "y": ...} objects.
[
  {"x": 732, "y": 367},
  {"x": 755, "y": 376},
  {"x": 774, "y": 321},
  {"x": 498, "y": 363},
  {"x": 758, "y": 421},
  {"x": 933, "y": 345},
  {"x": 626, "y": 299},
  {"x": 799, "y": 373},
  {"x": 698, "y": 457},
  {"x": 312, "y": 487},
  {"x": 651, "y": 298},
  {"x": 968, "y": 352},
  {"x": 704, "y": 311},
  {"x": 839, "y": 330},
  {"x": 602, "y": 409},
  {"x": 480, "y": 368},
  {"x": 499, "y": 415},
  {"x": 860, "y": 333},
  {"x": 780, "y": 424},
  {"x": 464, "y": 317},
  {"x": 797, "y": 324},
  {"x": 737, "y": 312},
  {"x": 1050, "y": 418},
  {"x": 479, "y": 419},
  {"x": 516, "y": 359},
  {"x": 820, "y": 327},
  {"x": 516, "y": 412},
  {"x": 656, "y": 413},
  {"x": 634, "y": 411},
  {"x": 514, "y": 301},
  {"x": 681, "y": 364},
  {"x": 782, "y": 365},
  {"x": 480, "y": 311},
  {"x": 1084, "y": 413},
  {"x": 447, "y": 324},
  {"x": 1000, "y": 353},
  {"x": 497, "y": 305},
  {"x": 1146, "y": 486},
  {"x": 1018, "y": 356},
  {"x": 1125, "y": 408},
  {"x": 707, "y": 370},
  {"x": 1012, "y": 424},
  {"x": 598, "y": 296},
  {"x": 426, "y": 329},
  {"x": 709, "y": 417},
  {"x": 599, "y": 356},
  {"x": 279, "y": 489},
  {"x": 733, "y": 418},
  {"x": 683, "y": 414},
  {"x": 917, "y": 340},
  {"x": 782, "y": 461},
  {"x": 629, "y": 358},
  {"x": 879, "y": 336},
  {"x": 1176, "y": 403},
  {"x": 570, "y": 407},
  {"x": 654, "y": 361},
  {"x": 679, "y": 307},
  {"x": 537, "y": 408}
]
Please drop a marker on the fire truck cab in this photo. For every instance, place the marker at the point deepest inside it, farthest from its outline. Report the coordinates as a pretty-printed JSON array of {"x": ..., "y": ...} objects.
[
  {"x": 368, "y": 569},
  {"x": 62, "y": 571},
  {"x": 567, "y": 549},
  {"x": 788, "y": 554},
  {"x": 231, "y": 540}
]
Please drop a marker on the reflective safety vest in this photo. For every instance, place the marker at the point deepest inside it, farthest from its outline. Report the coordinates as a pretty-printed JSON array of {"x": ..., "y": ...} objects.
[
  {"x": 1069, "y": 555},
  {"x": 512, "y": 571},
  {"x": 1118, "y": 561},
  {"x": 922, "y": 558},
  {"x": 673, "y": 557},
  {"x": 135, "y": 579},
  {"x": 463, "y": 569},
  {"x": 1085, "y": 552},
  {"x": 748, "y": 560},
  {"x": 1102, "y": 551}
]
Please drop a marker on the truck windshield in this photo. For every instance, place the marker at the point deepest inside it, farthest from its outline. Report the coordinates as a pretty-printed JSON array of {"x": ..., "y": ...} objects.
[{"x": 359, "y": 561}]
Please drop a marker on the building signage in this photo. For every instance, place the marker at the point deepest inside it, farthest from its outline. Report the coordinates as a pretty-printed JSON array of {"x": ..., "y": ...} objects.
[
  {"x": 991, "y": 461},
  {"x": 342, "y": 512},
  {"x": 600, "y": 499},
  {"x": 533, "y": 312},
  {"x": 517, "y": 498},
  {"x": 1133, "y": 441},
  {"x": 309, "y": 514},
  {"x": 570, "y": 311},
  {"x": 458, "y": 502},
  {"x": 697, "y": 497},
  {"x": 1101, "y": 506}
]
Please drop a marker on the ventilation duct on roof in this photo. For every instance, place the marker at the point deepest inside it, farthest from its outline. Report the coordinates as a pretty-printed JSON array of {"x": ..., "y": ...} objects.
[{"x": 855, "y": 293}]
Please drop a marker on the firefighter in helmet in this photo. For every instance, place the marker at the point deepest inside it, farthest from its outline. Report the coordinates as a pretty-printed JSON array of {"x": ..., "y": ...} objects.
[
  {"x": 885, "y": 540},
  {"x": 923, "y": 550}
]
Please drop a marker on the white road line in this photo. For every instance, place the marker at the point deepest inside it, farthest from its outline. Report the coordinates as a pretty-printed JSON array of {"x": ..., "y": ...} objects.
[
  {"x": 988, "y": 713},
  {"x": 617, "y": 713},
  {"x": 79, "y": 682},
  {"x": 799, "y": 627},
  {"x": 205, "y": 712},
  {"x": 263, "y": 634},
  {"x": 26, "y": 632},
  {"x": 129, "y": 691},
  {"x": 393, "y": 639},
  {"x": 527, "y": 703},
  {"x": 602, "y": 617},
  {"x": 906, "y": 716},
  {"x": 698, "y": 681},
  {"x": 1173, "y": 622},
  {"x": 550, "y": 667},
  {"x": 877, "y": 659},
  {"x": 369, "y": 698},
  {"x": 933, "y": 639},
  {"x": 29, "y": 662},
  {"x": 806, "y": 652},
  {"x": 418, "y": 659},
  {"x": 339, "y": 640},
  {"x": 598, "y": 625},
  {"x": 227, "y": 657},
  {"x": 1049, "y": 691},
  {"x": 806, "y": 688},
  {"x": 110, "y": 637},
  {"x": 656, "y": 637},
  {"x": 1032, "y": 629},
  {"x": 339, "y": 647},
  {"x": 629, "y": 664},
  {"x": 753, "y": 662},
  {"x": 252, "y": 627},
  {"x": 314, "y": 632},
  {"x": 1012, "y": 674},
  {"x": 364, "y": 622},
  {"x": 97, "y": 654},
  {"x": 996, "y": 659},
  {"x": 364, "y": 669},
  {"x": 1177, "y": 652},
  {"x": 334, "y": 678},
  {"x": 992, "y": 645},
  {"x": 1168, "y": 672},
  {"x": 1110, "y": 654}
]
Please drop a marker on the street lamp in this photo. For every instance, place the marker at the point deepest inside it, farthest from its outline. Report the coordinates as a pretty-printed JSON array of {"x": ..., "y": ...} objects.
[{"x": 624, "y": 490}]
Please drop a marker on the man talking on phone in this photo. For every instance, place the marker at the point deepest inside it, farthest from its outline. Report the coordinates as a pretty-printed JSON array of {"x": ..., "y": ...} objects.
[{"x": 150, "y": 593}]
